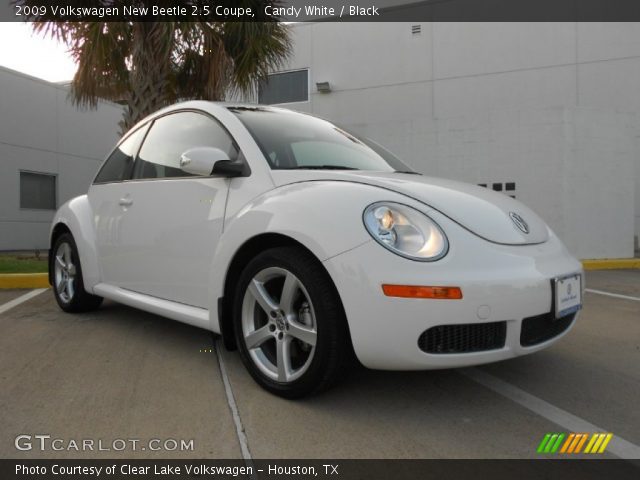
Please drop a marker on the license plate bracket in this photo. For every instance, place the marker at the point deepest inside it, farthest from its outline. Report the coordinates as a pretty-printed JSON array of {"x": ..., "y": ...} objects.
[{"x": 567, "y": 294}]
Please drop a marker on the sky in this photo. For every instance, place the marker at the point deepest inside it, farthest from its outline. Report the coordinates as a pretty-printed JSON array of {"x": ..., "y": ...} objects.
[{"x": 34, "y": 54}]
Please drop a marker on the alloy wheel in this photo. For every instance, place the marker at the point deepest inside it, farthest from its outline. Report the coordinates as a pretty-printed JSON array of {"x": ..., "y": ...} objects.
[
  {"x": 64, "y": 273},
  {"x": 279, "y": 324}
]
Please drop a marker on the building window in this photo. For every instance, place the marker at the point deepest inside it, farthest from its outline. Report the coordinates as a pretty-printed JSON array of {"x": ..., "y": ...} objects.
[
  {"x": 38, "y": 191},
  {"x": 285, "y": 87}
]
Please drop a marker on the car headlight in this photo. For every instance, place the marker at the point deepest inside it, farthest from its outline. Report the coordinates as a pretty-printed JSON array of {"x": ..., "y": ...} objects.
[{"x": 405, "y": 231}]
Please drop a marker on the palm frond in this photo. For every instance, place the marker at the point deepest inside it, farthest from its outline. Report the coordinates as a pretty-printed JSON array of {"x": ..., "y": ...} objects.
[{"x": 148, "y": 65}]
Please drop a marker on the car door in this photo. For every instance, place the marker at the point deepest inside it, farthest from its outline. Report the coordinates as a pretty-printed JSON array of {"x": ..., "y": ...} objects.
[
  {"x": 104, "y": 194},
  {"x": 159, "y": 229}
]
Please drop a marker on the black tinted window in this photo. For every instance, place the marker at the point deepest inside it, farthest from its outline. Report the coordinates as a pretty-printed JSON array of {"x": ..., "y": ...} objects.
[
  {"x": 118, "y": 165},
  {"x": 170, "y": 136}
]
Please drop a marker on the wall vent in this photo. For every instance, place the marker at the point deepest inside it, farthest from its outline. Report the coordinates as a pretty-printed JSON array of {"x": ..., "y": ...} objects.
[
  {"x": 416, "y": 29},
  {"x": 508, "y": 188}
]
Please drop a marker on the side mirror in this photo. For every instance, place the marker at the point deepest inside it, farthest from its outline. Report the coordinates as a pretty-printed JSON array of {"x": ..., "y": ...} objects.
[
  {"x": 202, "y": 160},
  {"x": 227, "y": 168}
]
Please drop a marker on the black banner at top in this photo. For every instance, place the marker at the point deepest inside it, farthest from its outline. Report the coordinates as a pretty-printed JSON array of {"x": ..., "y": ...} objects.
[{"x": 323, "y": 10}]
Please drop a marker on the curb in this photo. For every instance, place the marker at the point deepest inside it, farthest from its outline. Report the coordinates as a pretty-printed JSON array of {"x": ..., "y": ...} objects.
[
  {"x": 24, "y": 280},
  {"x": 611, "y": 263}
]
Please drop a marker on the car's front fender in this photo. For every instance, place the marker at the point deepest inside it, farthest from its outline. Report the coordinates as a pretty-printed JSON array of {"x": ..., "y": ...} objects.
[
  {"x": 77, "y": 216},
  {"x": 324, "y": 216}
]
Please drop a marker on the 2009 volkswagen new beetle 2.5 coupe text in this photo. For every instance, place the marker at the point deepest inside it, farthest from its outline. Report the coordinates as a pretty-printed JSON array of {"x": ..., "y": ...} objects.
[{"x": 301, "y": 243}]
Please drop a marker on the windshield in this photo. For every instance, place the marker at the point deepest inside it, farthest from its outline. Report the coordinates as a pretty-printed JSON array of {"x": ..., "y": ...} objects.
[{"x": 291, "y": 140}]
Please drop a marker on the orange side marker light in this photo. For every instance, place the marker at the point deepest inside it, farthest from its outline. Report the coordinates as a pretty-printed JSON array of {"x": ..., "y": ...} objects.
[{"x": 414, "y": 291}]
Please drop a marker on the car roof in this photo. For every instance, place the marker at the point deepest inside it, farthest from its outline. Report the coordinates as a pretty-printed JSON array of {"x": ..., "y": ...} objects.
[{"x": 207, "y": 106}]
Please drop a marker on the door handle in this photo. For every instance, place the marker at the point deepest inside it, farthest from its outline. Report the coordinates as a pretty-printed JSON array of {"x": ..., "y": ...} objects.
[{"x": 126, "y": 202}]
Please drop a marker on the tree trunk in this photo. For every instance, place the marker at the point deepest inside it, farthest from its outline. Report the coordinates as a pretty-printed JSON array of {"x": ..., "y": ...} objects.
[{"x": 150, "y": 75}]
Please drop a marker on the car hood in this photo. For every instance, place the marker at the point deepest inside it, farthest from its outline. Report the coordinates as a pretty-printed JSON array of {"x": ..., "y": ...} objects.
[{"x": 484, "y": 212}]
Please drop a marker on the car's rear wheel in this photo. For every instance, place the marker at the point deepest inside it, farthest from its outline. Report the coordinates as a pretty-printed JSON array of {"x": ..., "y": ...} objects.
[
  {"x": 68, "y": 286},
  {"x": 289, "y": 323}
]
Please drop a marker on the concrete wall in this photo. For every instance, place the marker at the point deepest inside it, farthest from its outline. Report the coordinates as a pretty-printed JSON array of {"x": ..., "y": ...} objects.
[
  {"x": 41, "y": 131},
  {"x": 552, "y": 106}
]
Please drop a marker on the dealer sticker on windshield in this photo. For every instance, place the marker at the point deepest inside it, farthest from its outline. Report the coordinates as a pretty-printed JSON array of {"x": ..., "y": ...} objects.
[{"x": 568, "y": 294}]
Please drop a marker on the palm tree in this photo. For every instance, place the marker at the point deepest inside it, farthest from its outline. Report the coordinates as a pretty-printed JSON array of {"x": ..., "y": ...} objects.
[{"x": 148, "y": 65}]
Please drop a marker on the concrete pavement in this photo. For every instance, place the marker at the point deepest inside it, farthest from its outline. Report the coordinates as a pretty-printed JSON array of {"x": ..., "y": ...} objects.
[
  {"x": 116, "y": 373},
  {"x": 119, "y": 373}
]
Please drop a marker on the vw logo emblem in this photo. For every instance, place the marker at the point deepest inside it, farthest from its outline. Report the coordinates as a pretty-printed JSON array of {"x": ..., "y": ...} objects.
[{"x": 519, "y": 222}]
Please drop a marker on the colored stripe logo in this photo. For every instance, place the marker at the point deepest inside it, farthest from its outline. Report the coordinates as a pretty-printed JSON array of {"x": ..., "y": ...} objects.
[{"x": 574, "y": 443}]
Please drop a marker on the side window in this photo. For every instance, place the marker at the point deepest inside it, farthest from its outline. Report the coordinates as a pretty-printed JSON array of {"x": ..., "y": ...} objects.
[
  {"x": 171, "y": 136},
  {"x": 119, "y": 164}
]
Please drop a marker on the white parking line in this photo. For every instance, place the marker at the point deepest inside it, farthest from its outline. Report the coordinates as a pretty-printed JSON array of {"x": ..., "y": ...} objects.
[
  {"x": 618, "y": 446},
  {"x": 242, "y": 438},
  {"x": 609, "y": 294},
  {"x": 21, "y": 299}
]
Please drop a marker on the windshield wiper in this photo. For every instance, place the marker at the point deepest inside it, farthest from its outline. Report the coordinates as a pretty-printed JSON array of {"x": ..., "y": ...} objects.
[
  {"x": 321, "y": 167},
  {"x": 409, "y": 172}
]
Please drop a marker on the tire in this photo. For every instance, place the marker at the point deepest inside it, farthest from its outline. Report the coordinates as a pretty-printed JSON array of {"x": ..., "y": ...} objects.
[
  {"x": 289, "y": 323},
  {"x": 66, "y": 276}
]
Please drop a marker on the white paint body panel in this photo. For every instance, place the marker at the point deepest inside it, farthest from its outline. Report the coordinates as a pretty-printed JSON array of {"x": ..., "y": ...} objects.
[
  {"x": 198, "y": 317},
  {"x": 163, "y": 243},
  {"x": 482, "y": 211},
  {"x": 77, "y": 216},
  {"x": 170, "y": 250},
  {"x": 514, "y": 282}
]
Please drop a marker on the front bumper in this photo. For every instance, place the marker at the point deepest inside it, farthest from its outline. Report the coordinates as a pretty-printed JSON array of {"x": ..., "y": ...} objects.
[{"x": 500, "y": 283}]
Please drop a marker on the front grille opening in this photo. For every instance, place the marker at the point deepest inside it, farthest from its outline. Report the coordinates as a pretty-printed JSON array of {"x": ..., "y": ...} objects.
[
  {"x": 543, "y": 327},
  {"x": 463, "y": 338}
]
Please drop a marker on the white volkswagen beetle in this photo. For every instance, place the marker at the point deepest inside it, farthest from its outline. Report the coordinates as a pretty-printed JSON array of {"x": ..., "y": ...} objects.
[{"x": 301, "y": 243}]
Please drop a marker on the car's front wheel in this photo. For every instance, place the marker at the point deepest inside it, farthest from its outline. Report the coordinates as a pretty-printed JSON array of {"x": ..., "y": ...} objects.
[
  {"x": 289, "y": 323},
  {"x": 66, "y": 275}
]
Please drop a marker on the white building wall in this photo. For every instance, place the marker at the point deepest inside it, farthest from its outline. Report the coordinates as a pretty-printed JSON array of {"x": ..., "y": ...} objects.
[
  {"x": 551, "y": 106},
  {"x": 41, "y": 131}
]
